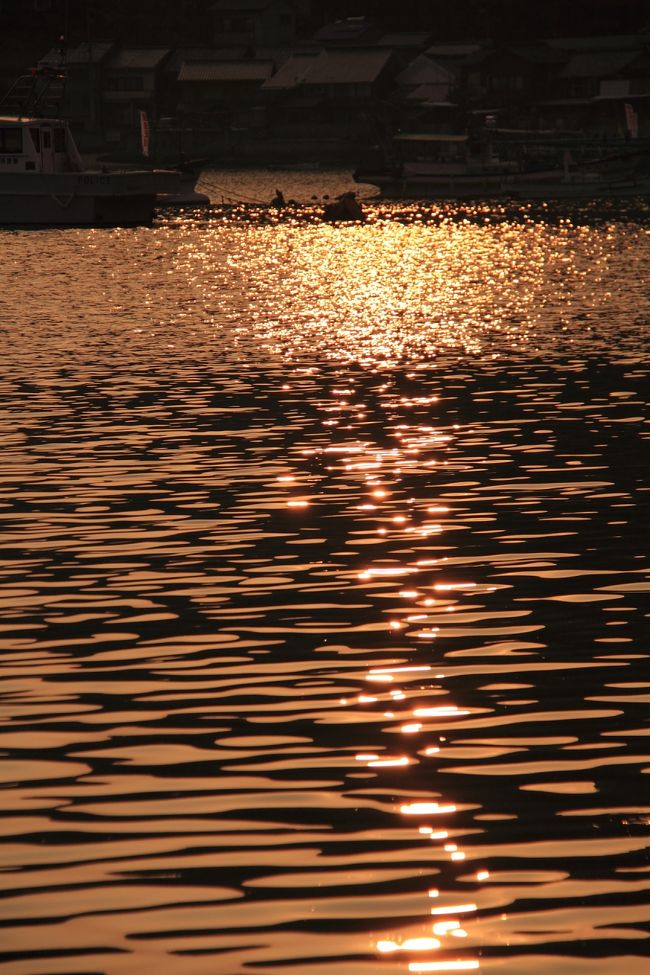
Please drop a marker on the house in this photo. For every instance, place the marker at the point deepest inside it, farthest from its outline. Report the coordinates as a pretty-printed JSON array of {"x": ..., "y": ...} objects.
[
  {"x": 348, "y": 75},
  {"x": 222, "y": 88},
  {"x": 83, "y": 68},
  {"x": 132, "y": 82},
  {"x": 253, "y": 23},
  {"x": 424, "y": 81},
  {"x": 584, "y": 73},
  {"x": 326, "y": 104},
  {"x": 291, "y": 74},
  {"x": 601, "y": 91},
  {"x": 509, "y": 77},
  {"x": 83, "y": 103}
]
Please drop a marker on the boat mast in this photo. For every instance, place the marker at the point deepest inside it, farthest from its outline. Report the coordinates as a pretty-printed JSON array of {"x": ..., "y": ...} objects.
[{"x": 39, "y": 92}]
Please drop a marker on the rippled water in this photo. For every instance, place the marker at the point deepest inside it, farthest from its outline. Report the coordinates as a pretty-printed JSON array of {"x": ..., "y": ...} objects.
[{"x": 325, "y": 596}]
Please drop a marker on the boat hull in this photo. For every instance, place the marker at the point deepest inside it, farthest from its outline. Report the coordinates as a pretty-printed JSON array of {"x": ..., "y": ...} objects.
[
  {"x": 82, "y": 199},
  {"x": 523, "y": 187}
]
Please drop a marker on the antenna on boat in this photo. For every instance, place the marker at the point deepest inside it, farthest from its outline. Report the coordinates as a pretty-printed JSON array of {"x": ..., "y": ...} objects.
[{"x": 40, "y": 91}]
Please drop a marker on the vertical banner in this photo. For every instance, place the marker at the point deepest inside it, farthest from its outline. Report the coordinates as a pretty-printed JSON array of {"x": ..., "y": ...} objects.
[
  {"x": 631, "y": 121},
  {"x": 144, "y": 133}
]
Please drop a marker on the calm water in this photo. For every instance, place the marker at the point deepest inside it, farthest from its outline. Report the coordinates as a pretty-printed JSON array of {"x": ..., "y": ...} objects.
[{"x": 325, "y": 594}]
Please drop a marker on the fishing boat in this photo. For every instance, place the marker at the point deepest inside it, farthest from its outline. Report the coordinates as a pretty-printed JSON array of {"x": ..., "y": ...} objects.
[
  {"x": 453, "y": 167},
  {"x": 43, "y": 180}
]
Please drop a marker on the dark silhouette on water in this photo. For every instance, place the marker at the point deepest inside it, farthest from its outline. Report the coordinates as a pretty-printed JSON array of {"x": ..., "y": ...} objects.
[{"x": 345, "y": 208}]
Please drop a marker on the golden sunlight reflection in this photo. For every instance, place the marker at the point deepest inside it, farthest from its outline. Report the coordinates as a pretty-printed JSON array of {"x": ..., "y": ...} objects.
[
  {"x": 426, "y": 808},
  {"x": 409, "y": 944},
  {"x": 444, "y": 966},
  {"x": 446, "y": 928},
  {"x": 254, "y": 521}
]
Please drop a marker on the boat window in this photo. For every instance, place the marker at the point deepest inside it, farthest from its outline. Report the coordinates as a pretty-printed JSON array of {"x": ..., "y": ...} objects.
[
  {"x": 59, "y": 140},
  {"x": 47, "y": 138},
  {"x": 11, "y": 139},
  {"x": 36, "y": 138}
]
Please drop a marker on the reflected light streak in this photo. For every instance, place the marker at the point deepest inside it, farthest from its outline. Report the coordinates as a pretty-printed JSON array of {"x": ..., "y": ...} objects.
[
  {"x": 439, "y": 712},
  {"x": 410, "y": 944},
  {"x": 426, "y": 808},
  {"x": 444, "y": 927},
  {"x": 447, "y": 586},
  {"x": 455, "y": 909},
  {"x": 443, "y": 966},
  {"x": 373, "y": 573},
  {"x": 390, "y": 762},
  {"x": 401, "y": 670}
]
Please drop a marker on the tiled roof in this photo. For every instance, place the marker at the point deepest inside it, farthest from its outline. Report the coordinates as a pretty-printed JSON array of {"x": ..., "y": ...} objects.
[
  {"x": 129, "y": 57},
  {"x": 83, "y": 54},
  {"x": 604, "y": 42},
  {"x": 89, "y": 53},
  {"x": 291, "y": 74},
  {"x": 347, "y": 67},
  {"x": 245, "y": 70},
  {"x": 435, "y": 94},
  {"x": 597, "y": 64},
  {"x": 423, "y": 71}
]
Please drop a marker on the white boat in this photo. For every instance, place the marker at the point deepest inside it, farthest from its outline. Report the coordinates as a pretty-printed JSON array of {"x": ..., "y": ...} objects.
[
  {"x": 451, "y": 172},
  {"x": 43, "y": 180}
]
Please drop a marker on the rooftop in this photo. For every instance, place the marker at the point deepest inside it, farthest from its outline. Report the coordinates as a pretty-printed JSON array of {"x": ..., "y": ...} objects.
[
  {"x": 423, "y": 71},
  {"x": 597, "y": 64},
  {"x": 82, "y": 54},
  {"x": 347, "y": 67},
  {"x": 141, "y": 58},
  {"x": 244, "y": 70},
  {"x": 605, "y": 42},
  {"x": 291, "y": 74}
]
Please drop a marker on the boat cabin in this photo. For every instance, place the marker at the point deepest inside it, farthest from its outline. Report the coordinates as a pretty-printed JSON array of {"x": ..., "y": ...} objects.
[{"x": 37, "y": 145}]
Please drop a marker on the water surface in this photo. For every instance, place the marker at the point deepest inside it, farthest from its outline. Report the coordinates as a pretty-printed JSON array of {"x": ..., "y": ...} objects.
[{"x": 325, "y": 594}]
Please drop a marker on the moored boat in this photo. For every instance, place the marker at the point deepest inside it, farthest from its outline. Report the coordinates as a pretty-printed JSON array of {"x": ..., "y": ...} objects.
[
  {"x": 43, "y": 180},
  {"x": 455, "y": 170}
]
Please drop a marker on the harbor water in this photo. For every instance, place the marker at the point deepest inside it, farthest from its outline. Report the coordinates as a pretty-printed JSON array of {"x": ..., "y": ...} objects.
[{"x": 325, "y": 591}]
